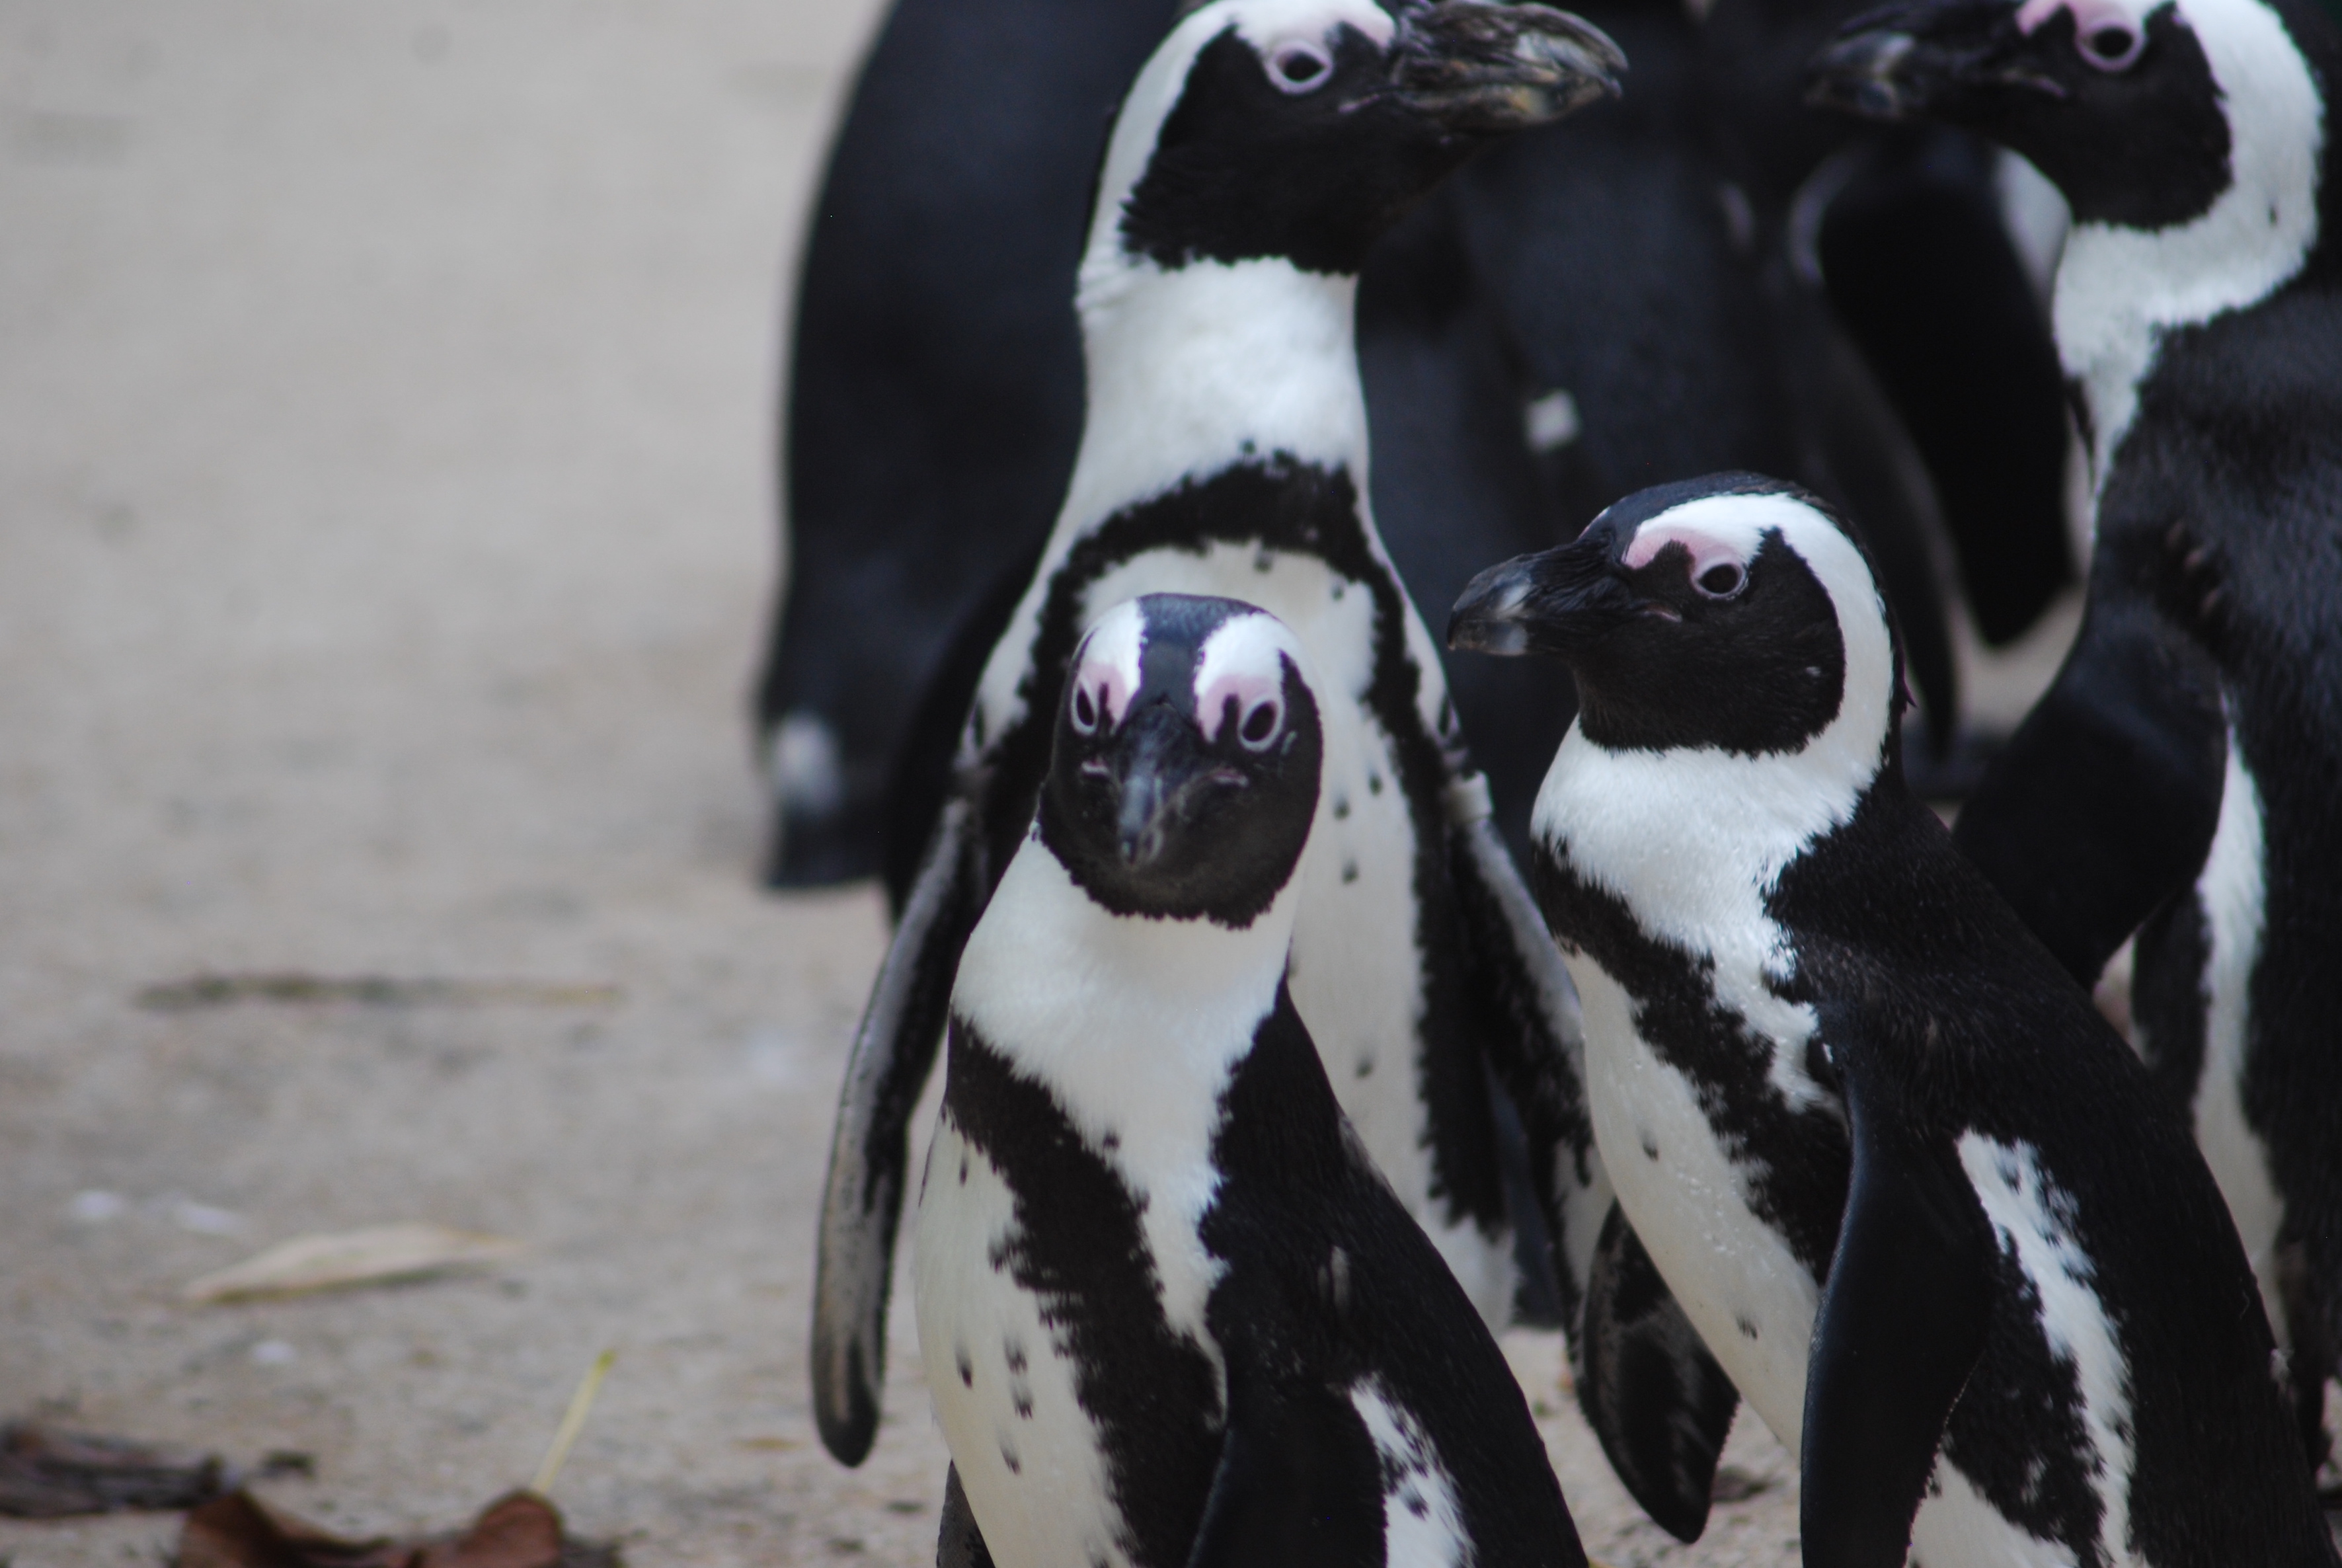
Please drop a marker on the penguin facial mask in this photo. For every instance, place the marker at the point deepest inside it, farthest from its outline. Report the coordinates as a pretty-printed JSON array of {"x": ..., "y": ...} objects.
[
  {"x": 1302, "y": 129},
  {"x": 1184, "y": 777},
  {"x": 2144, "y": 113},
  {"x": 1731, "y": 612}
]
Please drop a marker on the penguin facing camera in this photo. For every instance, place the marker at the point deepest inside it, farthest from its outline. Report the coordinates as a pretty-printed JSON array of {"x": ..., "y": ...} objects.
[
  {"x": 1174, "y": 1313},
  {"x": 1264, "y": 146},
  {"x": 2184, "y": 769},
  {"x": 1921, "y": 1202}
]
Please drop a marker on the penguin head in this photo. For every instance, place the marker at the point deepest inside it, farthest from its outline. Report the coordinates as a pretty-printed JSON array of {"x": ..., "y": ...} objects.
[
  {"x": 1733, "y": 613},
  {"x": 1303, "y": 129},
  {"x": 1184, "y": 777},
  {"x": 2144, "y": 113}
]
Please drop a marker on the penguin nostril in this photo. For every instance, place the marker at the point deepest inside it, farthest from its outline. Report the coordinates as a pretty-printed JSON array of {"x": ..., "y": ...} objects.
[
  {"x": 2112, "y": 47},
  {"x": 1299, "y": 67}
]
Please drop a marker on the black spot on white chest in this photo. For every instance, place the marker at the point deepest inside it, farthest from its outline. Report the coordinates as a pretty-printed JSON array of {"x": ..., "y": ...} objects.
[
  {"x": 1764, "y": 1101},
  {"x": 1043, "y": 1325}
]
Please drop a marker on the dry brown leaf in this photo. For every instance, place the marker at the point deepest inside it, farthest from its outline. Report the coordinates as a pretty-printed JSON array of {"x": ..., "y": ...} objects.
[
  {"x": 376, "y": 1255},
  {"x": 518, "y": 1530},
  {"x": 49, "y": 1473}
]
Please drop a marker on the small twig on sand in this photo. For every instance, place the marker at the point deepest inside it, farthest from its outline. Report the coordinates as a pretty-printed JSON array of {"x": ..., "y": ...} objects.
[{"x": 572, "y": 1424}]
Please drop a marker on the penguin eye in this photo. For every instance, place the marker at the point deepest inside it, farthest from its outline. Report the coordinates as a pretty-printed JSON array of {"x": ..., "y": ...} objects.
[
  {"x": 2111, "y": 45},
  {"x": 1299, "y": 66},
  {"x": 1722, "y": 580},
  {"x": 1261, "y": 724},
  {"x": 1085, "y": 711}
]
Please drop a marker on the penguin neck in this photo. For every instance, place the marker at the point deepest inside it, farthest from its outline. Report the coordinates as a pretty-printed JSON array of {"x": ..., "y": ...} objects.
[
  {"x": 2121, "y": 290},
  {"x": 1195, "y": 368},
  {"x": 1117, "y": 1014},
  {"x": 1694, "y": 838},
  {"x": 1693, "y": 844}
]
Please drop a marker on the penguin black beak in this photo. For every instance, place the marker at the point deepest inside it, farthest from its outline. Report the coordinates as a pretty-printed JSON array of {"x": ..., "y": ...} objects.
[
  {"x": 1925, "y": 57},
  {"x": 1554, "y": 601},
  {"x": 1161, "y": 774},
  {"x": 1486, "y": 69}
]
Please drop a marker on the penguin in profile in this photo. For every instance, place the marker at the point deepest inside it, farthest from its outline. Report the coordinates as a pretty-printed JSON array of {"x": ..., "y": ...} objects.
[
  {"x": 1264, "y": 147},
  {"x": 2184, "y": 769},
  {"x": 1171, "y": 1311},
  {"x": 1922, "y": 1203}
]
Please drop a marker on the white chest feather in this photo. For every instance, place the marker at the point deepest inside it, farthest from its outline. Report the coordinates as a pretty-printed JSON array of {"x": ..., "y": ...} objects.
[
  {"x": 1028, "y": 1456},
  {"x": 1133, "y": 1025},
  {"x": 1688, "y": 1198},
  {"x": 1691, "y": 841},
  {"x": 1423, "y": 1526},
  {"x": 1189, "y": 371}
]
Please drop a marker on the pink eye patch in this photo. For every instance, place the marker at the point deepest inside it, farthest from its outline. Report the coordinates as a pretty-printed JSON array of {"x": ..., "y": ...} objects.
[
  {"x": 2105, "y": 35},
  {"x": 1102, "y": 686},
  {"x": 1708, "y": 550},
  {"x": 1249, "y": 690}
]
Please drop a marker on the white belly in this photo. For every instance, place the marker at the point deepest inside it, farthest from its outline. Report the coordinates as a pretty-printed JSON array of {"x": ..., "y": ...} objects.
[
  {"x": 1735, "y": 1276},
  {"x": 1754, "y": 1303},
  {"x": 1956, "y": 1528},
  {"x": 1357, "y": 974},
  {"x": 1027, "y": 1455}
]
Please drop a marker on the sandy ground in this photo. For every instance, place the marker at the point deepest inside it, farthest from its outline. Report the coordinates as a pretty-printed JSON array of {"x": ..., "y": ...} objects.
[{"x": 385, "y": 393}]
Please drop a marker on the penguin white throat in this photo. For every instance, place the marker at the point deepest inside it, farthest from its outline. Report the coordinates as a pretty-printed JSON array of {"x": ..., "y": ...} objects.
[
  {"x": 1205, "y": 345},
  {"x": 1265, "y": 147},
  {"x": 1142, "y": 929},
  {"x": 1199, "y": 367}
]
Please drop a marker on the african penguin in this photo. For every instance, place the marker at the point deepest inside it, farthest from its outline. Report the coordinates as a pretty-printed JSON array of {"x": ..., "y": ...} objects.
[
  {"x": 1170, "y": 1311},
  {"x": 1917, "y": 1196},
  {"x": 1263, "y": 149},
  {"x": 1575, "y": 317},
  {"x": 2185, "y": 770}
]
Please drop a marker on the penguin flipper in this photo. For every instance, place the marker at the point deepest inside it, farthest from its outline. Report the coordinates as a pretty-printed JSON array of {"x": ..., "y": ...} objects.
[
  {"x": 1656, "y": 1400},
  {"x": 2105, "y": 802},
  {"x": 1298, "y": 1482},
  {"x": 1534, "y": 1047},
  {"x": 862, "y": 1200},
  {"x": 1901, "y": 1325},
  {"x": 959, "y": 1543}
]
